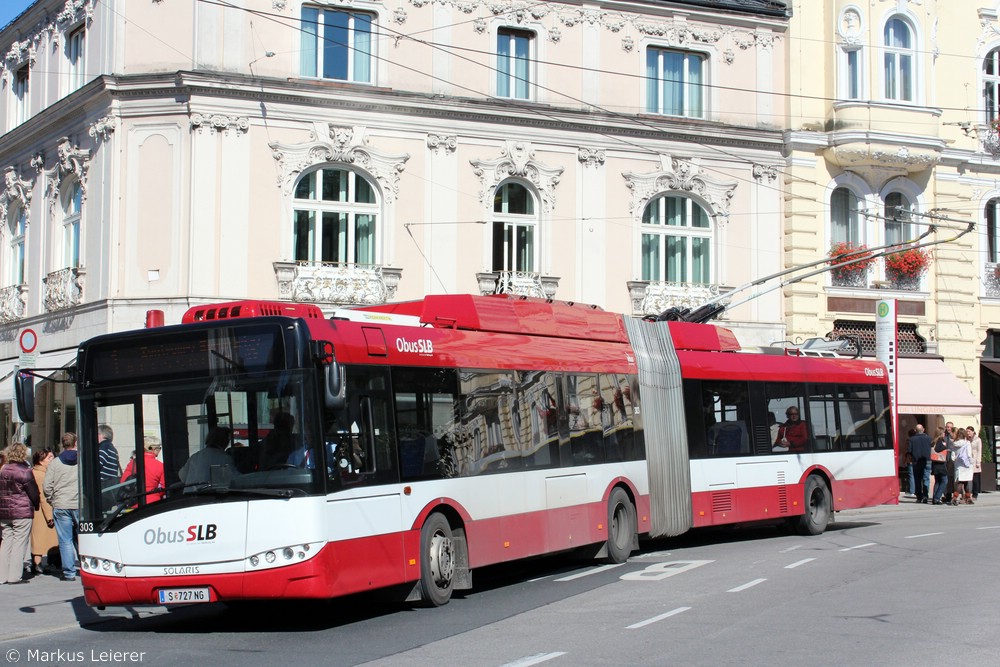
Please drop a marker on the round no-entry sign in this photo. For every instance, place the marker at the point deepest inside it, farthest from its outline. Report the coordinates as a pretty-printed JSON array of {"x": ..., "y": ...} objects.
[{"x": 29, "y": 341}]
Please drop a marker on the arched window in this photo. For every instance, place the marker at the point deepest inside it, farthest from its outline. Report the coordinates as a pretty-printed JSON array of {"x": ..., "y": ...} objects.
[
  {"x": 72, "y": 203},
  {"x": 900, "y": 60},
  {"x": 514, "y": 229},
  {"x": 991, "y": 85},
  {"x": 335, "y": 218},
  {"x": 676, "y": 241},
  {"x": 845, "y": 217},
  {"x": 17, "y": 224},
  {"x": 898, "y": 218},
  {"x": 993, "y": 231}
]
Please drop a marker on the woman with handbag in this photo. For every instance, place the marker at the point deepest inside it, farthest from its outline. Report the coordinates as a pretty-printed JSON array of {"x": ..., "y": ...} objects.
[{"x": 962, "y": 450}]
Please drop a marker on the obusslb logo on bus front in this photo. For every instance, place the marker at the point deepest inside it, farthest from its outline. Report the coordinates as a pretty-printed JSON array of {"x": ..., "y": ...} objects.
[
  {"x": 201, "y": 532},
  {"x": 875, "y": 372}
]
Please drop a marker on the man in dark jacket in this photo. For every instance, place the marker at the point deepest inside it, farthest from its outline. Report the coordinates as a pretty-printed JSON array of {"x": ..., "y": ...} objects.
[
  {"x": 920, "y": 450},
  {"x": 18, "y": 502}
]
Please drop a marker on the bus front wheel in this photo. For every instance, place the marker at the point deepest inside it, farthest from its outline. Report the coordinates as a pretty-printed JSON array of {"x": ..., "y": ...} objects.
[
  {"x": 621, "y": 526},
  {"x": 818, "y": 507},
  {"x": 437, "y": 561}
]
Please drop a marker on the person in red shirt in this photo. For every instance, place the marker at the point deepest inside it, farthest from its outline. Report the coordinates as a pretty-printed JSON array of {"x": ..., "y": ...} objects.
[
  {"x": 154, "y": 468},
  {"x": 793, "y": 434}
]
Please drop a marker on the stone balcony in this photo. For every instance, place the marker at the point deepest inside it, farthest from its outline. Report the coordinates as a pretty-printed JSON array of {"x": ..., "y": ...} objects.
[
  {"x": 336, "y": 284},
  {"x": 13, "y": 303},
  {"x": 63, "y": 289},
  {"x": 654, "y": 297},
  {"x": 518, "y": 282}
]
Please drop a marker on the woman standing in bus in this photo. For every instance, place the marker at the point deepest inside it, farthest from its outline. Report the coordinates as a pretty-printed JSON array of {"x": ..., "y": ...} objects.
[
  {"x": 793, "y": 434},
  {"x": 154, "y": 470}
]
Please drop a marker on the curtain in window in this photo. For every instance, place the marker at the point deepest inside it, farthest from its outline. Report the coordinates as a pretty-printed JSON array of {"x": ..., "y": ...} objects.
[
  {"x": 310, "y": 37},
  {"x": 362, "y": 48},
  {"x": 521, "y": 64},
  {"x": 652, "y": 81},
  {"x": 701, "y": 260},
  {"x": 333, "y": 243},
  {"x": 305, "y": 222},
  {"x": 844, "y": 208},
  {"x": 897, "y": 218},
  {"x": 503, "y": 65},
  {"x": 364, "y": 239},
  {"x": 694, "y": 87},
  {"x": 651, "y": 257},
  {"x": 673, "y": 84},
  {"x": 677, "y": 260}
]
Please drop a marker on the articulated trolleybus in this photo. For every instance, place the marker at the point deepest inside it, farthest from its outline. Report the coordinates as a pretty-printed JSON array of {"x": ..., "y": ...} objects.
[{"x": 402, "y": 446}]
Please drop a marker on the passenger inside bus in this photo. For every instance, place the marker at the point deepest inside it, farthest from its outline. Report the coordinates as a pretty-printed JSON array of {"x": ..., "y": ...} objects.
[
  {"x": 279, "y": 444},
  {"x": 211, "y": 464},
  {"x": 793, "y": 434}
]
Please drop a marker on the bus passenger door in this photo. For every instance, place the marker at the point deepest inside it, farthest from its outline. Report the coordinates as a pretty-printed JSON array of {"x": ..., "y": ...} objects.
[{"x": 364, "y": 521}]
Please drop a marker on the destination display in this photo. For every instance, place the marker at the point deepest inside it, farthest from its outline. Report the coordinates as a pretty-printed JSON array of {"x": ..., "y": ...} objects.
[{"x": 188, "y": 354}]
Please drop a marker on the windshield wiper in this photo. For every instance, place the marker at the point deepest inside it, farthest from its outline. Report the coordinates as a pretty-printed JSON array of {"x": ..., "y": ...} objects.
[{"x": 207, "y": 488}]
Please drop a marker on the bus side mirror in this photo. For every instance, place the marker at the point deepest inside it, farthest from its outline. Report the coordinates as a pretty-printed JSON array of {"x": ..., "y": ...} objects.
[
  {"x": 333, "y": 386},
  {"x": 24, "y": 396}
]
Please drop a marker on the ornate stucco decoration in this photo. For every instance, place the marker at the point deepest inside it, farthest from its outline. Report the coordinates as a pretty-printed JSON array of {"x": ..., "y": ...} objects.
[
  {"x": 75, "y": 11},
  {"x": 682, "y": 176},
  {"x": 990, "y": 29},
  {"x": 399, "y": 16},
  {"x": 517, "y": 159},
  {"x": 279, "y": 4},
  {"x": 850, "y": 27},
  {"x": 102, "y": 128},
  {"x": 70, "y": 160},
  {"x": 220, "y": 123},
  {"x": 590, "y": 157},
  {"x": 762, "y": 171},
  {"x": 15, "y": 191},
  {"x": 442, "y": 142},
  {"x": 328, "y": 143},
  {"x": 38, "y": 162},
  {"x": 674, "y": 32},
  {"x": 877, "y": 164}
]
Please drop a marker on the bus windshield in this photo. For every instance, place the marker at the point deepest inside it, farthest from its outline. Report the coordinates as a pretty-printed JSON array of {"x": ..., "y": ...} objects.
[{"x": 232, "y": 435}]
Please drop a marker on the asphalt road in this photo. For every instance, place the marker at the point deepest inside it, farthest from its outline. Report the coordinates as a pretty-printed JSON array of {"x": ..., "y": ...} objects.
[{"x": 899, "y": 585}]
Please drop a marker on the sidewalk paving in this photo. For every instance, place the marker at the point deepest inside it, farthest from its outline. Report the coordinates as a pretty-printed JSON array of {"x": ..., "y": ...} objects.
[{"x": 48, "y": 604}]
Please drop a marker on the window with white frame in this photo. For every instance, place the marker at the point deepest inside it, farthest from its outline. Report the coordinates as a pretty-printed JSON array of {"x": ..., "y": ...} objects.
[
  {"x": 335, "y": 216},
  {"x": 514, "y": 228},
  {"x": 17, "y": 224},
  {"x": 337, "y": 44},
  {"x": 514, "y": 59},
  {"x": 845, "y": 217},
  {"x": 993, "y": 231},
  {"x": 851, "y": 73},
  {"x": 21, "y": 97},
  {"x": 991, "y": 86},
  {"x": 676, "y": 241},
  {"x": 675, "y": 83},
  {"x": 72, "y": 204},
  {"x": 898, "y": 218},
  {"x": 76, "y": 75},
  {"x": 899, "y": 60}
]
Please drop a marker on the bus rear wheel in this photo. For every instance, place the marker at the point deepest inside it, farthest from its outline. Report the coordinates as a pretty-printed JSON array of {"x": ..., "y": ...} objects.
[
  {"x": 621, "y": 526},
  {"x": 437, "y": 561},
  {"x": 818, "y": 507}
]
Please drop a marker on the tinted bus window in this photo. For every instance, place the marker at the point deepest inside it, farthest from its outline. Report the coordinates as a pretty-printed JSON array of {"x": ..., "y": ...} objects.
[
  {"x": 426, "y": 406},
  {"x": 786, "y": 401},
  {"x": 718, "y": 416},
  {"x": 586, "y": 434},
  {"x": 487, "y": 423}
]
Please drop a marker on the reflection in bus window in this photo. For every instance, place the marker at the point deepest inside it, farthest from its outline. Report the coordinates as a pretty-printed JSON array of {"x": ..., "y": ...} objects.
[
  {"x": 487, "y": 421},
  {"x": 586, "y": 432},
  {"x": 426, "y": 405}
]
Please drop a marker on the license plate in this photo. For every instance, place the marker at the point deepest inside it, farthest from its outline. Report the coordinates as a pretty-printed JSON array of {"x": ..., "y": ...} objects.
[{"x": 183, "y": 595}]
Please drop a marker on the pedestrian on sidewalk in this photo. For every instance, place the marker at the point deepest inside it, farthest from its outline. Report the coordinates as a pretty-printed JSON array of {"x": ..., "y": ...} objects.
[
  {"x": 62, "y": 489},
  {"x": 960, "y": 446},
  {"x": 939, "y": 465},
  {"x": 19, "y": 500},
  {"x": 976, "y": 445},
  {"x": 920, "y": 450},
  {"x": 43, "y": 533}
]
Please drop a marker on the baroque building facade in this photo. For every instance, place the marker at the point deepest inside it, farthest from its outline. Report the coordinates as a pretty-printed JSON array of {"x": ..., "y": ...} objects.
[{"x": 159, "y": 154}]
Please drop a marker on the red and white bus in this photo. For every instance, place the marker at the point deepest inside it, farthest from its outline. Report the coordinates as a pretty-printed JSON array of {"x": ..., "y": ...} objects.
[{"x": 405, "y": 445}]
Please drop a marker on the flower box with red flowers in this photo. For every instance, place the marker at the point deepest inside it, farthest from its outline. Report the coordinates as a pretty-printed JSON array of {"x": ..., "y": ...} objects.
[
  {"x": 850, "y": 263},
  {"x": 911, "y": 263}
]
